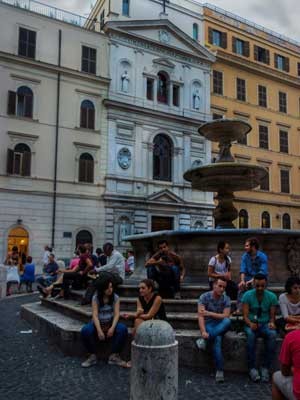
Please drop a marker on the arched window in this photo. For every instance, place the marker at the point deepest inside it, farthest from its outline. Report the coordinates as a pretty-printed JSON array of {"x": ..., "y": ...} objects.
[
  {"x": 125, "y": 8},
  {"x": 162, "y": 158},
  {"x": 87, "y": 115},
  {"x": 265, "y": 220},
  {"x": 243, "y": 219},
  {"x": 195, "y": 31},
  {"x": 83, "y": 237},
  {"x": 19, "y": 160},
  {"x": 86, "y": 168},
  {"x": 24, "y": 102},
  {"x": 162, "y": 88},
  {"x": 286, "y": 221},
  {"x": 198, "y": 225}
]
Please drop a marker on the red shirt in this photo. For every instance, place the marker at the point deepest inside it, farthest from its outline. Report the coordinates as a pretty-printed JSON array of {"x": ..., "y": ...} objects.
[{"x": 290, "y": 356}]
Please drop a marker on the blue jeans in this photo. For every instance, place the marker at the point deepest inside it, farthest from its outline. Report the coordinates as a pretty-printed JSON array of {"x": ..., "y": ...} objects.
[
  {"x": 216, "y": 330},
  {"x": 46, "y": 280},
  {"x": 269, "y": 336},
  {"x": 165, "y": 279},
  {"x": 90, "y": 338}
]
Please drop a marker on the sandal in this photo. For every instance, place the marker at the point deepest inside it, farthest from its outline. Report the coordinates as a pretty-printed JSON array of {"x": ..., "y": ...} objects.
[{"x": 115, "y": 359}]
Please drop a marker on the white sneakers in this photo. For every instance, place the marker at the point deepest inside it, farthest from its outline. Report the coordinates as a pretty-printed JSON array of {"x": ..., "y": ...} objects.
[
  {"x": 90, "y": 361},
  {"x": 201, "y": 343}
]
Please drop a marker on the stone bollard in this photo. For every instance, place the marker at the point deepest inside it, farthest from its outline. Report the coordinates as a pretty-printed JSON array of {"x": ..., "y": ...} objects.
[
  {"x": 154, "y": 359},
  {"x": 3, "y": 274}
]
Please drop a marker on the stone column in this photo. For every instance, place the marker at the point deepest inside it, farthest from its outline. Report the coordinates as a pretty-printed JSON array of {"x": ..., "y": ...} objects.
[
  {"x": 3, "y": 274},
  {"x": 154, "y": 357}
]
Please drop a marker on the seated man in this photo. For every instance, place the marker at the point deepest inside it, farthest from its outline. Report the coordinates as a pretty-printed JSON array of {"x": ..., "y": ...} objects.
[
  {"x": 115, "y": 264},
  {"x": 167, "y": 269},
  {"x": 214, "y": 322},
  {"x": 259, "y": 308},
  {"x": 286, "y": 382},
  {"x": 50, "y": 273}
]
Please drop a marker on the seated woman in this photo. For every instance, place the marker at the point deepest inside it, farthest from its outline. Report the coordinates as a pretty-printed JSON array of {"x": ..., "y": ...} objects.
[
  {"x": 149, "y": 305},
  {"x": 105, "y": 325},
  {"x": 219, "y": 267},
  {"x": 28, "y": 275},
  {"x": 289, "y": 303}
]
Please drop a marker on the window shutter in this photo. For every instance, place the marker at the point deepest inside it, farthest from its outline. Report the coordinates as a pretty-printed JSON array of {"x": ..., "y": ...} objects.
[
  {"x": 267, "y": 57},
  {"x": 276, "y": 60},
  {"x": 224, "y": 40},
  {"x": 90, "y": 171},
  {"x": 255, "y": 53},
  {"x": 10, "y": 161},
  {"x": 26, "y": 164},
  {"x": 83, "y": 117},
  {"x": 91, "y": 118},
  {"x": 233, "y": 44},
  {"x": 210, "y": 35},
  {"x": 28, "y": 106},
  {"x": 246, "y": 49},
  {"x": 287, "y": 64},
  {"x": 81, "y": 174},
  {"x": 11, "y": 103}
]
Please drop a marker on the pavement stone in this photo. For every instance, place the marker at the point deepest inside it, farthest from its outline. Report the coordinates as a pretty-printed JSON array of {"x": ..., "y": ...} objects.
[{"x": 32, "y": 368}]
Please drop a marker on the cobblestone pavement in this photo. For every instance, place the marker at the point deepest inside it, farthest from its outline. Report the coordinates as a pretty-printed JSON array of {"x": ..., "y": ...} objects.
[{"x": 32, "y": 368}]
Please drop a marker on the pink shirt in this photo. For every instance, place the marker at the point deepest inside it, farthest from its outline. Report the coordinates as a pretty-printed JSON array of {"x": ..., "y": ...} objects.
[
  {"x": 74, "y": 263},
  {"x": 290, "y": 356}
]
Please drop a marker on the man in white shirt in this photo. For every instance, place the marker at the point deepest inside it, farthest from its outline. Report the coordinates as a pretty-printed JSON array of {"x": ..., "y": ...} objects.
[{"x": 115, "y": 262}]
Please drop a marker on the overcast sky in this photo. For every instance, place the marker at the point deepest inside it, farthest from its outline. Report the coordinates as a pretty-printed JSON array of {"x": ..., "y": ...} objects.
[{"x": 279, "y": 15}]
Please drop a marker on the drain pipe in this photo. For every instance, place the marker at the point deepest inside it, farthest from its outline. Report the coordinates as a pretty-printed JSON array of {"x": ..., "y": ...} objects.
[{"x": 56, "y": 141}]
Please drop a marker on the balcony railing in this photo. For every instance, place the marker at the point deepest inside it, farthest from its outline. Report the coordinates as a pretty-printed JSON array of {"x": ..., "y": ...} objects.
[{"x": 48, "y": 11}]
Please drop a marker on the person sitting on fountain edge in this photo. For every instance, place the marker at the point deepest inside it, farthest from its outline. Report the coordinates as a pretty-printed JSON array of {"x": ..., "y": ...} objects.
[{"x": 167, "y": 269}]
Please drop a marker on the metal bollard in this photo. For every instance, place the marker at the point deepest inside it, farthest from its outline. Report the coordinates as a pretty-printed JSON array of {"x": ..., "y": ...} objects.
[
  {"x": 154, "y": 359},
  {"x": 3, "y": 274}
]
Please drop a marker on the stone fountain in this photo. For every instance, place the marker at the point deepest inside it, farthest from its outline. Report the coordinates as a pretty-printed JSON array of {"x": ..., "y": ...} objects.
[{"x": 224, "y": 177}]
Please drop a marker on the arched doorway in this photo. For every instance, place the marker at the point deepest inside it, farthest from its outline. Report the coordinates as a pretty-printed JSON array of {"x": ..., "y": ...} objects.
[
  {"x": 18, "y": 237},
  {"x": 84, "y": 237}
]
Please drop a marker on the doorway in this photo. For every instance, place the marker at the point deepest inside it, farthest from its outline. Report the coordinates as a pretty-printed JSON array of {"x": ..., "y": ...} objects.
[
  {"x": 162, "y": 224},
  {"x": 18, "y": 237}
]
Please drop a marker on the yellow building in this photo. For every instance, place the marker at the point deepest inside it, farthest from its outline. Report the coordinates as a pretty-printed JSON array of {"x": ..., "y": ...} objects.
[{"x": 256, "y": 78}]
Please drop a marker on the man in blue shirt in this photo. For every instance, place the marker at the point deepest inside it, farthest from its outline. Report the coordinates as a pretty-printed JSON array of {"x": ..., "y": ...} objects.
[{"x": 50, "y": 274}]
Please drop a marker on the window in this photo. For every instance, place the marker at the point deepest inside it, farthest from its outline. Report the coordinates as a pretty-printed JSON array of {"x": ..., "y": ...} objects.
[
  {"x": 162, "y": 158},
  {"x": 21, "y": 102},
  {"x": 282, "y": 102},
  {"x": 240, "y": 47},
  {"x": 243, "y": 219},
  {"x": 150, "y": 89},
  {"x": 265, "y": 182},
  {"x": 87, "y": 115},
  {"x": 217, "y": 38},
  {"x": 86, "y": 168},
  {"x": 162, "y": 88},
  {"x": 195, "y": 31},
  {"x": 27, "y": 43},
  {"x": 265, "y": 220},
  {"x": 102, "y": 20},
  {"x": 263, "y": 137},
  {"x": 125, "y": 8},
  {"x": 281, "y": 62},
  {"x": 19, "y": 160},
  {"x": 262, "y": 96},
  {"x": 285, "y": 180},
  {"x": 176, "y": 95},
  {"x": 298, "y": 68},
  {"x": 88, "y": 60},
  {"x": 283, "y": 142},
  {"x": 83, "y": 237},
  {"x": 241, "y": 89},
  {"x": 286, "y": 221},
  {"x": 261, "y": 55},
  {"x": 217, "y": 82}
]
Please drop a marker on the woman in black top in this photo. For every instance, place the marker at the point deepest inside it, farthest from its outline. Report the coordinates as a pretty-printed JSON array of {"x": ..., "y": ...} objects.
[{"x": 149, "y": 305}]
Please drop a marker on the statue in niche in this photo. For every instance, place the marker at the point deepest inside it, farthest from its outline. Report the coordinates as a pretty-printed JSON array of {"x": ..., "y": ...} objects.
[
  {"x": 196, "y": 99},
  {"x": 125, "y": 82},
  {"x": 293, "y": 256},
  {"x": 124, "y": 229}
]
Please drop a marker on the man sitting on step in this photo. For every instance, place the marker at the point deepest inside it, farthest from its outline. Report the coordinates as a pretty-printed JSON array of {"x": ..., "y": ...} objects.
[
  {"x": 167, "y": 269},
  {"x": 214, "y": 322}
]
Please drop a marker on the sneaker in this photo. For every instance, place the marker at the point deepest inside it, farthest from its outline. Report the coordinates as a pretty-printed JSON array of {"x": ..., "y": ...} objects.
[
  {"x": 219, "y": 376},
  {"x": 265, "y": 376},
  {"x": 89, "y": 362},
  {"x": 201, "y": 343},
  {"x": 177, "y": 296},
  {"x": 115, "y": 359},
  {"x": 254, "y": 375}
]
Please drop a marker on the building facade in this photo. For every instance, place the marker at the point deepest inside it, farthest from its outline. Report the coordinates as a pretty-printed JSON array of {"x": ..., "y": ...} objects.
[
  {"x": 158, "y": 97},
  {"x": 256, "y": 79},
  {"x": 53, "y": 131}
]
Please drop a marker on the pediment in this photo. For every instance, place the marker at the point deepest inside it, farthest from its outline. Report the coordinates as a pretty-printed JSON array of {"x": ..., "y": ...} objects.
[
  {"x": 165, "y": 196},
  {"x": 164, "y": 61},
  {"x": 162, "y": 32}
]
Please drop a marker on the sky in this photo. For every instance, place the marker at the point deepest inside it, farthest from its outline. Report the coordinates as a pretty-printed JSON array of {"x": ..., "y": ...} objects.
[{"x": 282, "y": 16}]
